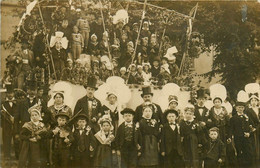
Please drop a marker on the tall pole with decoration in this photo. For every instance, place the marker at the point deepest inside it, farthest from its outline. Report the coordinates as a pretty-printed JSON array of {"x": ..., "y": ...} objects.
[
  {"x": 188, "y": 36},
  {"x": 138, "y": 36},
  {"x": 104, "y": 27}
]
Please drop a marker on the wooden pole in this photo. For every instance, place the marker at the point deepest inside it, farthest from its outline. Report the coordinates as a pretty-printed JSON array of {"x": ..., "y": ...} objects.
[
  {"x": 48, "y": 45},
  {"x": 164, "y": 30},
  {"x": 187, "y": 43},
  {"x": 159, "y": 7},
  {"x": 104, "y": 27},
  {"x": 138, "y": 36}
]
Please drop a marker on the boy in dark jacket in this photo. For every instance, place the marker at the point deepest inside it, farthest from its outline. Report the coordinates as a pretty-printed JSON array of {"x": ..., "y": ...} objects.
[
  {"x": 84, "y": 144},
  {"x": 171, "y": 141},
  {"x": 214, "y": 150},
  {"x": 62, "y": 139},
  {"x": 128, "y": 140}
]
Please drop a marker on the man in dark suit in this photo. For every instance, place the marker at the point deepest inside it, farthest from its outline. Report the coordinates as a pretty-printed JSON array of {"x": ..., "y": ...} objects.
[
  {"x": 171, "y": 141},
  {"x": 22, "y": 115},
  {"x": 240, "y": 130},
  {"x": 89, "y": 105},
  {"x": 201, "y": 111},
  {"x": 8, "y": 111},
  {"x": 201, "y": 116},
  {"x": 128, "y": 140},
  {"x": 147, "y": 96}
]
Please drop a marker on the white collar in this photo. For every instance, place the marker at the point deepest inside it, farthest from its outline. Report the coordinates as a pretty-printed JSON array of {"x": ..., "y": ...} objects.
[
  {"x": 9, "y": 99},
  {"x": 126, "y": 123},
  {"x": 58, "y": 107},
  {"x": 101, "y": 137},
  {"x": 31, "y": 98},
  {"x": 189, "y": 120},
  {"x": 111, "y": 107},
  {"x": 35, "y": 123}
]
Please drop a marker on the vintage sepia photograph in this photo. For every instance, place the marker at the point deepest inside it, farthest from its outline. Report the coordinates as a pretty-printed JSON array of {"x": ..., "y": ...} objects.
[{"x": 130, "y": 84}]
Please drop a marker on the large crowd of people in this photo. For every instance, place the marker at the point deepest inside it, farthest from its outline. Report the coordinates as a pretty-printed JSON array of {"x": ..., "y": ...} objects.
[
  {"x": 76, "y": 43},
  {"x": 73, "y": 41},
  {"x": 92, "y": 136}
]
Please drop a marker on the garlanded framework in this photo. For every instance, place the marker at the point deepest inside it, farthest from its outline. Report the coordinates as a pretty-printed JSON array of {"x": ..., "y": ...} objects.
[{"x": 165, "y": 17}]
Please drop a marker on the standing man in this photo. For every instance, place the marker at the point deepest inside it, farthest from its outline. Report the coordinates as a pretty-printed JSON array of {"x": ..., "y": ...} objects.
[
  {"x": 84, "y": 29},
  {"x": 8, "y": 111},
  {"x": 25, "y": 63},
  {"x": 201, "y": 114},
  {"x": 147, "y": 96},
  {"x": 89, "y": 105},
  {"x": 23, "y": 115}
]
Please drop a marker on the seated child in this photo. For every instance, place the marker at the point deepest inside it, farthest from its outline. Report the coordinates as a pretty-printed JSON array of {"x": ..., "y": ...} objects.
[
  {"x": 147, "y": 75},
  {"x": 139, "y": 75},
  {"x": 123, "y": 73}
]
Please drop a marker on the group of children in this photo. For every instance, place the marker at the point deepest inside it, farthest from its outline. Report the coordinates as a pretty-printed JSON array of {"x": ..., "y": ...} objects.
[
  {"x": 148, "y": 137},
  {"x": 157, "y": 74}
]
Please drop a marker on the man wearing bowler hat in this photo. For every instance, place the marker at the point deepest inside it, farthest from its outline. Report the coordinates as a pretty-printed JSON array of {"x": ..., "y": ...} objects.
[
  {"x": 89, "y": 105},
  {"x": 8, "y": 111},
  {"x": 147, "y": 96}
]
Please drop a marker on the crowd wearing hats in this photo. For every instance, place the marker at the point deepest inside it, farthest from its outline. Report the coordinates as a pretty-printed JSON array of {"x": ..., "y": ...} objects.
[
  {"x": 100, "y": 132},
  {"x": 73, "y": 44}
]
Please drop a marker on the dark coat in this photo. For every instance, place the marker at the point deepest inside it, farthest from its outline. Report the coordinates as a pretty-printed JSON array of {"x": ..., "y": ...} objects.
[
  {"x": 81, "y": 147},
  {"x": 239, "y": 124},
  {"x": 5, "y": 124},
  {"x": 219, "y": 121},
  {"x": 150, "y": 137},
  {"x": 61, "y": 150},
  {"x": 93, "y": 49},
  {"x": 189, "y": 132},
  {"x": 167, "y": 139},
  {"x": 214, "y": 150},
  {"x": 253, "y": 117},
  {"x": 120, "y": 137},
  {"x": 34, "y": 152},
  {"x": 82, "y": 103},
  {"x": 203, "y": 117},
  {"x": 155, "y": 71}
]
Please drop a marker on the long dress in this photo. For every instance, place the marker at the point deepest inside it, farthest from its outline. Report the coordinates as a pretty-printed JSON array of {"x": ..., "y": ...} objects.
[
  {"x": 103, "y": 156},
  {"x": 32, "y": 152},
  {"x": 59, "y": 59},
  {"x": 149, "y": 149},
  {"x": 189, "y": 131}
]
